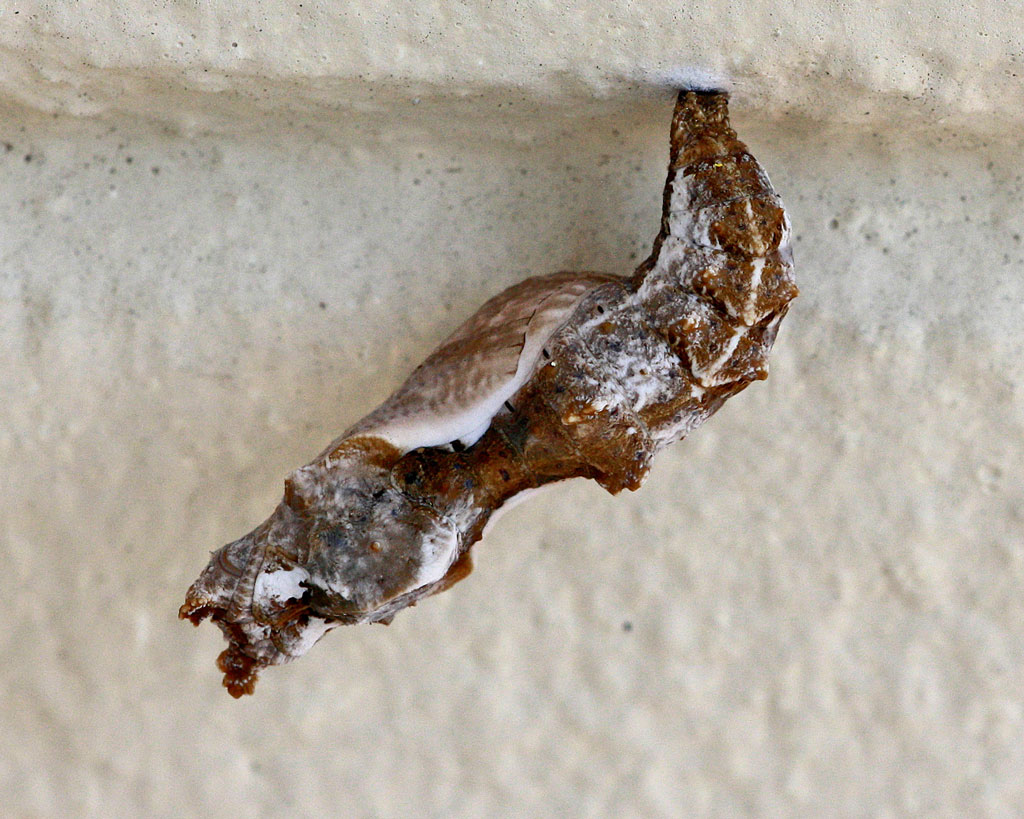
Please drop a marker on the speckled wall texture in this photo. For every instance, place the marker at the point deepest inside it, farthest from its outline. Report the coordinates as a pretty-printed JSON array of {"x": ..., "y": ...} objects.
[{"x": 229, "y": 229}]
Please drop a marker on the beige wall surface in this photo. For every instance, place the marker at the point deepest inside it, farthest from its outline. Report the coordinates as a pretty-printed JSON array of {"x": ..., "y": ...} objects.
[{"x": 228, "y": 229}]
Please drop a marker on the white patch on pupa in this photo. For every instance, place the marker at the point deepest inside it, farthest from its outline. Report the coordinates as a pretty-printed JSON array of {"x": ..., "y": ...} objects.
[
  {"x": 681, "y": 426},
  {"x": 709, "y": 375},
  {"x": 309, "y": 636},
  {"x": 750, "y": 306},
  {"x": 437, "y": 553},
  {"x": 485, "y": 424},
  {"x": 281, "y": 585},
  {"x": 683, "y": 223}
]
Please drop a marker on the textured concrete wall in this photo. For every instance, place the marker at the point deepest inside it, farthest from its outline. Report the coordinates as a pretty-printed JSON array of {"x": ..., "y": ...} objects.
[{"x": 213, "y": 257}]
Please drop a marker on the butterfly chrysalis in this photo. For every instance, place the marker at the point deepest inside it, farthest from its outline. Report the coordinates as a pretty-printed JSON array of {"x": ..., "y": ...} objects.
[{"x": 561, "y": 376}]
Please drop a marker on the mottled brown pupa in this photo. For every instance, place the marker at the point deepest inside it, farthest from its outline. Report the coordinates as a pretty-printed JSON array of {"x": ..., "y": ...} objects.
[{"x": 562, "y": 376}]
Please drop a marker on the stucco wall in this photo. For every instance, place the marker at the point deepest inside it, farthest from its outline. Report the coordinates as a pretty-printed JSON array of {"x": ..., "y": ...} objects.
[{"x": 213, "y": 257}]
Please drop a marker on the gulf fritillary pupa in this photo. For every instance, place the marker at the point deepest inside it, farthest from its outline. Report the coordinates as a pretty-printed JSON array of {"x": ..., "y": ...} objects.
[{"x": 561, "y": 376}]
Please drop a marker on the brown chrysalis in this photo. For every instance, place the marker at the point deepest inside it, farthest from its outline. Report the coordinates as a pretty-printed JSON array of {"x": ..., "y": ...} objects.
[{"x": 562, "y": 376}]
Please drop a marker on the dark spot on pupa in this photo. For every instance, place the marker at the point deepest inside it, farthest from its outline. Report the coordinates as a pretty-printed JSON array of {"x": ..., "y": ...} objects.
[{"x": 504, "y": 474}]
